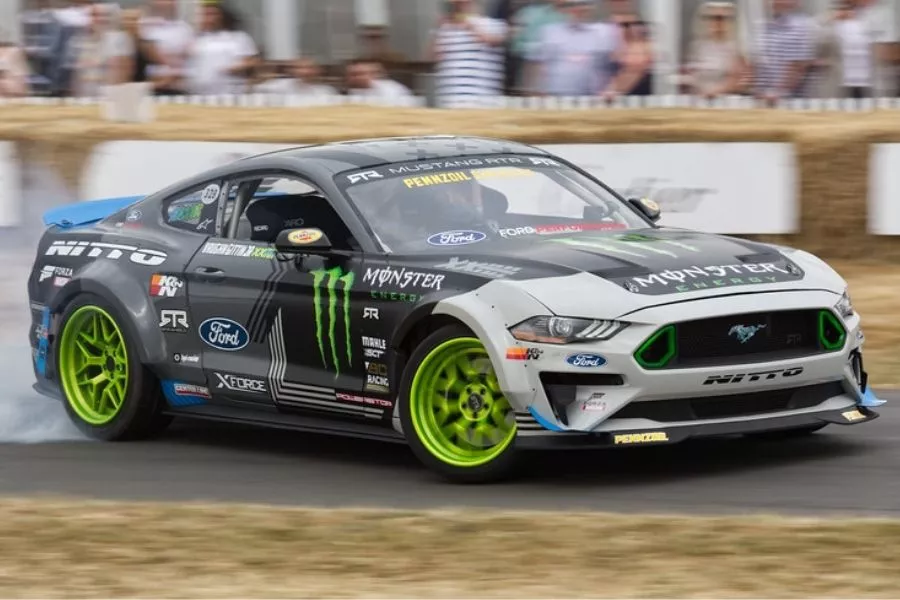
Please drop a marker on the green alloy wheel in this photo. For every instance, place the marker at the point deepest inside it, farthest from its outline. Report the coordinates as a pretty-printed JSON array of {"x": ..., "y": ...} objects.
[
  {"x": 93, "y": 365},
  {"x": 455, "y": 414},
  {"x": 108, "y": 393}
]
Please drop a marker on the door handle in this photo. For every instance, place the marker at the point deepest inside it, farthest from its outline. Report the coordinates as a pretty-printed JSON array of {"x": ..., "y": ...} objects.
[{"x": 210, "y": 274}]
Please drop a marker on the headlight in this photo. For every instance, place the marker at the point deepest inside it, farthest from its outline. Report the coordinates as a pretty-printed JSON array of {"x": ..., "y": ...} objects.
[
  {"x": 844, "y": 307},
  {"x": 565, "y": 330}
]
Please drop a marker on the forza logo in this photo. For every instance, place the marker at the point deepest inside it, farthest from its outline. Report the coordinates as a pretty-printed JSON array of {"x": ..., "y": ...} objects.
[
  {"x": 147, "y": 258},
  {"x": 753, "y": 377}
]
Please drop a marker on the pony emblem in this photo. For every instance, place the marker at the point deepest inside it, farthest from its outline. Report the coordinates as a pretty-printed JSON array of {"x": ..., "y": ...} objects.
[{"x": 745, "y": 332}]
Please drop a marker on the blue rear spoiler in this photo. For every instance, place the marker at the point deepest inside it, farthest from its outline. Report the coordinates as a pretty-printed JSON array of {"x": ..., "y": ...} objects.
[{"x": 85, "y": 213}]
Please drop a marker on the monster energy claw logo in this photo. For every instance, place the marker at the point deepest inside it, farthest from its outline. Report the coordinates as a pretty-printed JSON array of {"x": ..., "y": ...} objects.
[{"x": 329, "y": 279}]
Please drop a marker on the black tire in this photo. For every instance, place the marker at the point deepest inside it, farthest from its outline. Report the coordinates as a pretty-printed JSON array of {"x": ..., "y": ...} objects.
[
  {"x": 500, "y": 467},
  {"x": 141, "y": 413},
  {"x": 787, "y": 434}
]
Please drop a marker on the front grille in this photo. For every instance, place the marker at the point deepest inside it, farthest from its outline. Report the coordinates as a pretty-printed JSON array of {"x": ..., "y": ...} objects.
[
  {"x": 724, "y": 407},
  {"x": 741, "y": 339}
]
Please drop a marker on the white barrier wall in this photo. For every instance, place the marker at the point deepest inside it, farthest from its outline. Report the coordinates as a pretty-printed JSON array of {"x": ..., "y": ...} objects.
[
  {"x": 698, "y": 186},
  {"x": 884, "y": 189},
  {"x": 10, "y": 186}
]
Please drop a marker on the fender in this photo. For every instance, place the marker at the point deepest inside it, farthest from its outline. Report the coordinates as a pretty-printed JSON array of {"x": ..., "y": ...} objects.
[{"x": 129, "y": 298}]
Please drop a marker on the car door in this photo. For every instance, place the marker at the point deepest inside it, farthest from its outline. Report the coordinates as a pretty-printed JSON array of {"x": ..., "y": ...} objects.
[{"x": 281, "y": 329}]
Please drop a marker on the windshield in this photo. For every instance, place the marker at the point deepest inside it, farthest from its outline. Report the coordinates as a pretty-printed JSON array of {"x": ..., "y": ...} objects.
[{"x": 431, "y": 204}]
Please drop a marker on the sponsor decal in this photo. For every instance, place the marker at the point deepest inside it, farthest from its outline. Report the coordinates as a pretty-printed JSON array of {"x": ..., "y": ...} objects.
[
  {"x": 166, "y": 286},
  {"x": 472, "y": 267},
  {"x": 581, "y": 227},
  {"x": 456, "y": 238},
  {"x": 462, "y": 163},
  {"x": 234, "y": 383},
  {"x": 516, "y": 232},
  {"x": 224, "y": 334},
  {"x": 186, "y": 359},
  {"x": 185, "y": 213},
  {"x": 754, "y": 376},
  {"x": 641, "y": 438},
  {"x": 260, "y": 228},
  {"x": 60, "y": 281},
  {"x": 364, "y": 400},
  {"x": 544, "y": 162},
  {"x": 744, "y": 333},
  {"x": 139, "y": 256},
  {"x": 174, "y": 321},
  {"x": 370, "y": 313},
  {"x": 595, "y": 403},
  {"x": 696, "y": 277},
  {"x": 853, "y": 415},
  {"x": 302, "y": 237},
  {"x": 292, "y": 223},
  {"x": 334, "y": 306},
  {"x": 134, "y": 216},
  {"x": 239, "y": 250},
  {"x": 402, "y": 278},
  {"x": 42, "y": 334},
  {"x": 49, "y": 271},
  {"x": 204, "y": 224},
  {"x": 585, "y": 360},
  {"x": 364, "y": 176},
  {"x": 373, "y": 347},
  {"x": 377, "y": 378},
  {"x": 210, "y": 194},
  {"x": 189, "y": 389},
  {"x": 394, "y": 296},
  {"x": 520, "y": 353}
]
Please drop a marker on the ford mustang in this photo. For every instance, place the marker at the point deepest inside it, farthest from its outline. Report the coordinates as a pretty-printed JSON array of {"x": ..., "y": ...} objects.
[{"x": 471, "y": 298}]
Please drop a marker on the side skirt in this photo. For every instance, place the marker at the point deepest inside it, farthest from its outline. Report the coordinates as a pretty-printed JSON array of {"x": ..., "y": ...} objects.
[{"x": 288, "y": 421}]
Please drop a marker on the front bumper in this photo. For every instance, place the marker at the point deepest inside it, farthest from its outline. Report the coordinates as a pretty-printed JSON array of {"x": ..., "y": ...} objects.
[{"x": 839, "y": 411}]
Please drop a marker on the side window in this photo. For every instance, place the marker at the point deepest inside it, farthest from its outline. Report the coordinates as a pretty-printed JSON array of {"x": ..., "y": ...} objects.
[
  {"x": 282, "y": 203},
  {"x": 195, "y": 210}
]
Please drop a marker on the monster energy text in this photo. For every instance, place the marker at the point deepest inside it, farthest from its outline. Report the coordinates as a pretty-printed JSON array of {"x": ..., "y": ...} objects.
[{"x": 329, "y": 279}]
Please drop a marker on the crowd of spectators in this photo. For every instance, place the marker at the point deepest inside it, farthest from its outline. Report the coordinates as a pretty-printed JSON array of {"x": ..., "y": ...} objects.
[{"x": 516, "y": 47}]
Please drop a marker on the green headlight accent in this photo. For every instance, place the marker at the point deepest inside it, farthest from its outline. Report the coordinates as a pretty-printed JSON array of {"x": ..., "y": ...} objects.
[
  {"x": 659, "y": 349},
  {"x": 832, "y": 334}
]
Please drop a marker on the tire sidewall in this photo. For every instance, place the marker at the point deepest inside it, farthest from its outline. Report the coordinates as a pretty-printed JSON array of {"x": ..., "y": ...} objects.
[
  {"x": 131, "y": 405},
  {"x": 501, "y": 467}
]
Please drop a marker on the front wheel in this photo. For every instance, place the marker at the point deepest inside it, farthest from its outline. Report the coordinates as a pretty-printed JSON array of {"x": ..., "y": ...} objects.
[
  {"x": 108, "y": 393},
  {"x": 453, "y": 412}
]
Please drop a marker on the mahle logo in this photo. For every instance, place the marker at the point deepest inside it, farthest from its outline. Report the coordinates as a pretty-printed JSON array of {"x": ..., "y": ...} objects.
[{"x": 329, "y": 280}]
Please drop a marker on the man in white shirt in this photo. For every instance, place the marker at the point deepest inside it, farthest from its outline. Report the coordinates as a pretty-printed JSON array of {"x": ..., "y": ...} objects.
[
  {"x": 221, "y": 56},
  {"x": 469, "y": 54},
  {"x": 880, "y": 26},
  {"x": 367, "y": 79},
  {"x": 171, "y": 38}
]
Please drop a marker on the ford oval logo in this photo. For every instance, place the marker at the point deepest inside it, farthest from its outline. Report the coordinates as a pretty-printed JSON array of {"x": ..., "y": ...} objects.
[
  {"x": 456, "y": 238},
  {"x": 224, "y": 334},
  {"x": 586, "y": 360}
]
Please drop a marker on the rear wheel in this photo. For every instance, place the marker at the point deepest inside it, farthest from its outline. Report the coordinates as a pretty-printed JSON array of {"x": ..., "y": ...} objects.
[
  {"x": 108, "y": 393},
  {"x": 453, "y": 412},
  {"x": 787, "y": 434}
]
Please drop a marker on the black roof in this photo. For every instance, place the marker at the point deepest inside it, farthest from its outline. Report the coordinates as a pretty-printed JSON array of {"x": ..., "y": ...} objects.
[{"x": 361, "y": 154}]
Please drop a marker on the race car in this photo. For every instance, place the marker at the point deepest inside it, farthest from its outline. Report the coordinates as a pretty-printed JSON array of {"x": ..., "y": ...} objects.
[{"x": 472, "y": 298}]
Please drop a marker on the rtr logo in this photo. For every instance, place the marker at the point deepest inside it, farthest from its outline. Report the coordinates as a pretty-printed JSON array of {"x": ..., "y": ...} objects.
[
  {"x": 366, "y": 176},
  {"x": 370, "y": 313},
  {"x": 174, "y": 321}
]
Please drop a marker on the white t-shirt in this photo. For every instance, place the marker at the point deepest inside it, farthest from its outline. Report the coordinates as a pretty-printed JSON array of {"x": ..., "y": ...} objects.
[
  {"x": 466, "y": 66},
  {"x": 172, "y": 39},
  {"x": 856, "y": 52},
  {"x": 212, "y": 55},
  {"x": 75, "y": 16}
]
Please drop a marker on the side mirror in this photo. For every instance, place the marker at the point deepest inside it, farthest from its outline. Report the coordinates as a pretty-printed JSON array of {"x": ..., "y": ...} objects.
[
  {"x": 648, "y": 207},
  {"x": 302, "y": 241}
]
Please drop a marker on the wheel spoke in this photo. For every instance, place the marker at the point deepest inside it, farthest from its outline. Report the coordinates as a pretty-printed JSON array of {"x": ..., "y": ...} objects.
[
  {"x": 466, "y": 367},
  {"x": 116, "y": 392},
  {"x": 500, "y": 414}
]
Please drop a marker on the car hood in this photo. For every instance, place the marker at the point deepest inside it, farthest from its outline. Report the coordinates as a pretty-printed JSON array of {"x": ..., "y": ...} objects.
[{"x": 651, "y": 267}]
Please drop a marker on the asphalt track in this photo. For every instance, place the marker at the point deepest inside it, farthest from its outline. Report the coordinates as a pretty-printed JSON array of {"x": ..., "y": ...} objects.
[{"x": 840, "y": 470}]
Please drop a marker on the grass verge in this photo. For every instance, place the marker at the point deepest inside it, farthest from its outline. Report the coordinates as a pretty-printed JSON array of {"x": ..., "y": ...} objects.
[{"x": 93, "y": 549}]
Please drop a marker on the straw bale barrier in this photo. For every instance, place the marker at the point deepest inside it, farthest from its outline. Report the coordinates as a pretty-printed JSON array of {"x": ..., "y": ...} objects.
[{"x": 832, "y": 148}]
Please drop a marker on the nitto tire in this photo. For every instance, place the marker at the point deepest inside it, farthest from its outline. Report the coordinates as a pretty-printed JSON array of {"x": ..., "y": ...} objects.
[
  {"x": 787, "y": 434},
  {"x": 107, "y": 392},
  {"x": 454, "y": 415}
]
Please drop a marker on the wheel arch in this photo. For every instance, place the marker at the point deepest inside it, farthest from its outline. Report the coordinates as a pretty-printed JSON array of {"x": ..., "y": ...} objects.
[{"x": 130, "y": 300}]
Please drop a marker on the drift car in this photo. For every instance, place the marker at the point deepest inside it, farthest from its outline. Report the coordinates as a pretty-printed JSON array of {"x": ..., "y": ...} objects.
[{"x": 471, "y": 297}]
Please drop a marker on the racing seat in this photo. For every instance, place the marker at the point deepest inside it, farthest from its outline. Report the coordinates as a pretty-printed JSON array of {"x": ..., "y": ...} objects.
[{"x": 269, "y": 216}]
